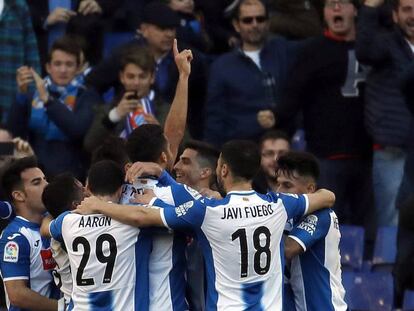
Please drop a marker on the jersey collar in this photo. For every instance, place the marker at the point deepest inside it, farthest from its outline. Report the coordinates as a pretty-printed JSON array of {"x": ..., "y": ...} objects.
[{"x": 26, "y": 222}]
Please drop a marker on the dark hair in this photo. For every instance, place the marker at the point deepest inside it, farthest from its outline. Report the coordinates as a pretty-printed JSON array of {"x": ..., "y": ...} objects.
[
  {"x": 395, "y": 4},
  {"x": 59, "y": 195},
  {"x": 243, "y": 158},
  {"x": 146, "y": 143},
  {"x": 139, "y": 56},
  {"x": 12, "y": 176},
  {"x": 273, "y": 135},
  {"x": 105, "y": 178},
  {"x": 303, "y": 163},
  {"x": 113, "y": 148},
  {"x": 68, "y": 44},
  {"x": 236, "y": 11},
  {"x": 207, "y": 154}
]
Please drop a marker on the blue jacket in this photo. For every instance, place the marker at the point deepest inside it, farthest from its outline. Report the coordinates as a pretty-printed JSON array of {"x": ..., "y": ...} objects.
[
  {"x": 387, "y": 117},
  {"x": 56, "y": 155},
  {"x": 238, "y": 90}
]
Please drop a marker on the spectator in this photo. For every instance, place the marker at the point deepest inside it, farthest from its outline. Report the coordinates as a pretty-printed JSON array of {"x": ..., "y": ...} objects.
[
  {"x": 296, "y": 19},
  {"x": 329, "y": 92},
  {"x": 191, "y": 29},
  {"x": 157, "y": 32},
  {"x": 26, "y": 260},
  {"x": 272, "y": 145},
  {"x": 247, "y": 82},
  {"x": 386, "y": 115},
  {"x": 14, "y": 148},
  {"x": 136, "y": 106},
  {"x": 18, "y": 48},
  {"x": 53, "y": 18},
  {"x": 56, "y": 117}
]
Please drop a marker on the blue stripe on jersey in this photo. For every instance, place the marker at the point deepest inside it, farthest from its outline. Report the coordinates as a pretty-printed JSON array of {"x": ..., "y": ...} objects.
[
  {"x": 101, "y": 301},
  {"x": 252, "y": 296},
  {"x": 316, "y": 279},
  {"x": 211, "y": 294},
  {"x": 70, "y": 307},
  {"x": 216, "y": 202},
  {"x": 142, "y": 252},
  {"x": 282, "y": 268},
  {"x": 177, "y": 279}
]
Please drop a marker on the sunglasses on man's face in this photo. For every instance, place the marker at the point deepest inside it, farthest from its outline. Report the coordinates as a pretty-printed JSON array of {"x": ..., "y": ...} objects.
[{"x": 250, "y": 19}]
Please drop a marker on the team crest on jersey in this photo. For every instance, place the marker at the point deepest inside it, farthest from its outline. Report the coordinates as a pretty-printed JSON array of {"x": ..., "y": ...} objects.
[
  {"x": 309, "y": 224},
  {"x": 245, "y": 199},
  {"x": 11, "y": 252},
  {"x": 183, "y": 208},
  {"x": 194, "y": 193}
]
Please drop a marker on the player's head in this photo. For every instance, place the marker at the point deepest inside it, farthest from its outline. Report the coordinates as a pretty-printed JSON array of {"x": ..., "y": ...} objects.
[
  {"x": 339, "y": 16},
  {"x": 147, "y": 143},
  {"x": 23, "y": 182},
  {"x": 403, "y": 16},
  {"x": 298, "y": 172},
  {"x": 137, "y": 71},
  {"x": 239, "y": 161},
  {"x": 272, "y": 145},
  {"x": 251, "y": 22},
  {"x": 113, "y": 148},
  {"x": 62, "y": 194},
  {"x": 197, "y": 164},
  {"x": 105, "y": 179}
]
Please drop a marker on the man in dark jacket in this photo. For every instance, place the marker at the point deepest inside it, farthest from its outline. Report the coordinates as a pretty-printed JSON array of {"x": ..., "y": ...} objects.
[{"x": 387, "y": 117}]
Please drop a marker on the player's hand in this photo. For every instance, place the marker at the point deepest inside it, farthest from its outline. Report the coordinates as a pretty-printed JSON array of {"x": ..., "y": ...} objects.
[
  {"x": 374, "y": 3},
  {"x": 126, "y": 105},
  {"x": 88, "y": 206},
  {"x": 87, "y": 7},
  {"x": 144, "y": 198},
  {"x": 59, "y": 15},
  {"x": 182, "y": 60},
  {"x": 139, "y": 169},
  {"x": 22, "y": 148},
  {"x": 23, "y": 78},
  {"x": 40, "y": 86},
  {"x": 266, "y": 119},
  {"x": 206, "y": 192}
]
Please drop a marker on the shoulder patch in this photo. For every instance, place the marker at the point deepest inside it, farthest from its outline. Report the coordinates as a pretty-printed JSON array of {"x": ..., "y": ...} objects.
[
  {"x": 11, "y": 252},
  {"x": 194, "y": 193}
]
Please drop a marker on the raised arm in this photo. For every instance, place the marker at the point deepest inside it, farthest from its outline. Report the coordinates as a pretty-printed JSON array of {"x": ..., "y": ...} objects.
[
  {"x": 320, "y": 199},
  {"x": 175, "y": 123}
]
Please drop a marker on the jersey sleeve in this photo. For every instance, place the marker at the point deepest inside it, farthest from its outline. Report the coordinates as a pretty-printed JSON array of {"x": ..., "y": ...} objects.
[
  {"x": 189, "y": 215},
  {"x": 296, "y": 205},
  {"x": 55, "y": 227},
  {"x": 15, "y": 257},
  {"x": 6, "y": 210},
  {"x": 311, "y": 229}
]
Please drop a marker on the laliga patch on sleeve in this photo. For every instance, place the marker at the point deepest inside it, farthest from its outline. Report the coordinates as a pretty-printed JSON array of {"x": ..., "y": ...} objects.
[{"x": 11, "y": 252}]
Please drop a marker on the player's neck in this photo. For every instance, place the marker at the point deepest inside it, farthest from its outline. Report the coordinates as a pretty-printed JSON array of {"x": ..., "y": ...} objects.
[
  {"x": 239, "y": 186},
  {"x": 109, "y": 198},
  {"x": 29, "y": 215}
]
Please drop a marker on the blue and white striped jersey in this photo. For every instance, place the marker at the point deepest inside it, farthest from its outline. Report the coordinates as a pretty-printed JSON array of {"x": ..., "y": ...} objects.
[
  {"x": 167, "y": 261},
  {"x": 108, "y": 260},
  {"x": 240, "y": 236},
  {"x": 316, "y": 273},
  {"x": 25, "y": 255}
]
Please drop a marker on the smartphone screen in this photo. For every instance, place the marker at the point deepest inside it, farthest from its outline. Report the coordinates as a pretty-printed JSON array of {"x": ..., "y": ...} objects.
[{"x": 6, "y": 148}]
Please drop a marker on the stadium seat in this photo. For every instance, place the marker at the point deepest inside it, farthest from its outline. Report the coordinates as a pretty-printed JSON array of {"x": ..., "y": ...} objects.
[
  {"x": 368, "y": 291},
  {"x": 385, "y": 249},
  {"x": 351, "y": 246},
  {"x": 115, "y": 39},
  {"x": 408, "y": 303}
]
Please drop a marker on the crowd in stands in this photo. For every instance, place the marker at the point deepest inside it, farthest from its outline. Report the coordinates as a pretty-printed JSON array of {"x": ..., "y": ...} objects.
[{"x": 334, "y": 78}]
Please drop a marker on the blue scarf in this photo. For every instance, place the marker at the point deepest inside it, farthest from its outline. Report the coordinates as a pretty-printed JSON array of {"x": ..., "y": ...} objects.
[{"x": 39, "y": 121}]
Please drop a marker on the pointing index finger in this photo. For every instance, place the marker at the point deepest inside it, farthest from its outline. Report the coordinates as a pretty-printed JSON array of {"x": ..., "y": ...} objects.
[{"x": 175, "y": 48}]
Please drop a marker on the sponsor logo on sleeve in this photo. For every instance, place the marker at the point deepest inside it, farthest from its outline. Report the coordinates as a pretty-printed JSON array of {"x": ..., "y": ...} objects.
[
  {"x": 183, "y": 208},
  {"x": 11, "y": 252},
  {"x": 15, "y": 235},
  {"x": 309, "y": 224}
]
